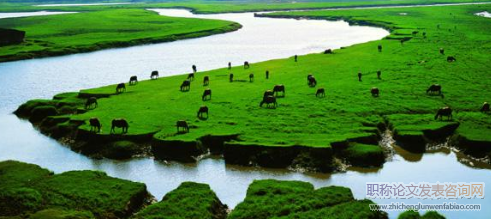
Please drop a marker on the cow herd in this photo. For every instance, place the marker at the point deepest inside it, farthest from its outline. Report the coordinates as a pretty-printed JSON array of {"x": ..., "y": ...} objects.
[{"x": 269, "y": 97}]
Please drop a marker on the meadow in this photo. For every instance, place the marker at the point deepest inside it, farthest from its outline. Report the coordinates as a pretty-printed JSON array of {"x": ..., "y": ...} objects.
[
  {"x": 347, "y": 121},
  {"x": 96, "y": 30},
  {"x": 29, "y": 191}
]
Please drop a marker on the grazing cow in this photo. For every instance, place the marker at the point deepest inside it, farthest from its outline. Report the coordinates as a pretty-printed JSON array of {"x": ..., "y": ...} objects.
[
  {"x": 194, "y": 69},
  {"x": 231, "y": 77},
  {"x": 328, "y": 51},
  {"x": 246, "y": 65},
  {"x": 95, "y": 125},
  {"x": 311, "y": 81},
  {"x": 451, "y": 59},
  {"x": 379, "y": 47},
  {"x": 320, "y": 92},
  {"x": 191, "y": 76},
  {"x": 279, "y": 88},
  {"x": 251, "y": 77},
  {"x": 485, "y": 107},
  {"x": 119, "y": 123},
  {"x": 379, "y": 73},
  {"x": 267, "y": 74},
  {"x": 442, "y": 51},
  {"x": 434, "y": 88},
  {"x": 186, "y": 85},
  {"x": 375, "y": 92},
  {"x": 202, "y": 110},
  {"x": 444, "y": 111},
  {"x": 229, "y": 65},
  {"x": 359, "y": 76},
  {"x": 121, "y": 87},
  {"x": 206, "y": 94},
  {"x": 182, "y": 124},
  {"x": 296, "y": 58},
  {"x": 154, "y": 75},
  {"x": 206, "y": 81},
  {"x": 92, "y": 101},
  {"x": 269, "y": 100},
  {"x": 133, "y": 80},
  {"x": 268, "y": 93}
]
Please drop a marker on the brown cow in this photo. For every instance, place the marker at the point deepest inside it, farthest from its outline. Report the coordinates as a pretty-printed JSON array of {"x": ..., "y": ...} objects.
[
  {"x": 92, "y": 101},
  {"x": 206, "y": 94},
  {"x": 320, "y": 92},
  {"x": 201, "y": 111},
  {"x": 119, "y": 123},
  {"x": 269, "y": 100},
  {"x": 444, "y": 111},
  {"x": 279, "y": 88},
  {"x": 434, "y": 88}
]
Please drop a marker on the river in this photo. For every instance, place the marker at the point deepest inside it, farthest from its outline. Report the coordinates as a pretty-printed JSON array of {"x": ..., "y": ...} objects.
[{"x": 260, "y": 39}]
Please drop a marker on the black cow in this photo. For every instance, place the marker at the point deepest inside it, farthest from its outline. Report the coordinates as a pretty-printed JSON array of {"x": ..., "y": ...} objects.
[
  {"x": 206, "y": 81},
  {"x": 186, "y": 85},
  {"x": 375, "y": 91},
  {"x": 279, "y": 88},
  {"x": 154, "y": 75},
  {"x": 95, "y": 125},
  {"x": 182, "y": 124},
  {"x": 133, "y": 80},
  {"x": 121, "y": 87}
]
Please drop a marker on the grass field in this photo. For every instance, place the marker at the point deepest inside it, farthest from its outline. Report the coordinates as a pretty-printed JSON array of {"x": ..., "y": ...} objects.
[
  {"x": 348, "y": 112},
  {"x": 28, "y": 189},
  {"x": 90, "y": 31}
]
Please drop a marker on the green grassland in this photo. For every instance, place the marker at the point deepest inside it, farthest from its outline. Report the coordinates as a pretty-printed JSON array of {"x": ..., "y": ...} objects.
[
  {"x": 90, "y": 31},
  {"x": 28, "y": 189},
  {"x": 110, "y": 26},
  {"x": 189, "y": 200},
  {"x": 295, "y": 199},
  {"x": 348, "y": 113}
]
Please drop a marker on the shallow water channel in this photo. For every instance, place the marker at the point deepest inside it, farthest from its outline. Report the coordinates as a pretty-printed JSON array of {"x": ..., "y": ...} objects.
[{"x": 260, "y": 39}]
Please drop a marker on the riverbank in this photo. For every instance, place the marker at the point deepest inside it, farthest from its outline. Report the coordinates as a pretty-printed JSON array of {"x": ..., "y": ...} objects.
[
  {"x": 57, "y": 35},
  {"x": 30, "y": 191}
]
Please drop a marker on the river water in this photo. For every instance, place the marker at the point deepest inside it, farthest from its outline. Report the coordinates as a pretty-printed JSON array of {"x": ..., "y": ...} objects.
[{"x": 260, "y": 39}]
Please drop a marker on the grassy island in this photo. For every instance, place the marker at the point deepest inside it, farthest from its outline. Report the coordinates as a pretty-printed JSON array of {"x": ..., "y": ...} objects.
[{"x": 306, "y": 131}]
